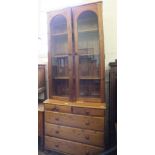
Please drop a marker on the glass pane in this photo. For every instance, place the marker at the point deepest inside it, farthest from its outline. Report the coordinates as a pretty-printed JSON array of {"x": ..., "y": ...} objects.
[
  {"x": 60, "y": 87},
  {"x": 59, "y": 49},
  {"x": 60, "y": 67},
  {"x": 59, "y": 35},
  {"x": 88, "y": 38},
  {"x": 89, "y": 88},
  {"x": 88, "y": 42},
  {"x": 87, "y": 21},
  {"x": 58, "y": 25},
  {"x": 89, "y": 66},
  {"x": 89, "y": 55},
  {"x": 59, "y": 45}
]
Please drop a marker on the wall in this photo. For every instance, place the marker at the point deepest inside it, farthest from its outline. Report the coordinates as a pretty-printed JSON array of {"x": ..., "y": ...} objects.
[{"x": 109, "y": 27}]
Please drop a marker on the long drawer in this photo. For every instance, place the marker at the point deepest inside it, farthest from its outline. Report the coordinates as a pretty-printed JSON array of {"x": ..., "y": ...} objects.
[
  {"x": 75, "y": 134},
  {"x": 69, "y": 147},
  {"x": 73, "y": 120}
]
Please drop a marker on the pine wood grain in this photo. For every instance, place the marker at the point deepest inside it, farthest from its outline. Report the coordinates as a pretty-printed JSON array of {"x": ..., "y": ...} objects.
[
  {"x": 69, "y": 147},
  {"x": 72, "y": 120},
  {"x": 82, "y": 104},
  {"x": 75, "y": 134}
]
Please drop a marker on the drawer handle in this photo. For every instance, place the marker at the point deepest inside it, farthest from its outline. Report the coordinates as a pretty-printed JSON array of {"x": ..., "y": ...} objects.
[
  {"x": 57, "y": 132},
  {"x": 87, "y": 123},
  {"x": 87, "y": 113},
  {"x": 56, "y": 145},
  {"x": 53, "y": 108},
  {"x": 87, "y": 137},
  {"x": 56, "y": 109},
  {"x": 57, "y": 119}
]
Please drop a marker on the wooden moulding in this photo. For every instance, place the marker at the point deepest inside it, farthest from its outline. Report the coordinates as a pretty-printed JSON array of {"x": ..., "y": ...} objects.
[
  {"x": 75, "y": 134},
  {"x": 69, "y": 147},
  {"x": 82, "y": 104}
]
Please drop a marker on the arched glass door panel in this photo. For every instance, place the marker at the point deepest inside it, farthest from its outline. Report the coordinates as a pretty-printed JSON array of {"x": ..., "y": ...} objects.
[{"x": 89, "y": 55}]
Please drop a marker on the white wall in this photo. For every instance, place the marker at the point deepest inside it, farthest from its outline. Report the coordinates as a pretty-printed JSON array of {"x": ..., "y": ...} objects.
[{"x": 109, "y": 27}]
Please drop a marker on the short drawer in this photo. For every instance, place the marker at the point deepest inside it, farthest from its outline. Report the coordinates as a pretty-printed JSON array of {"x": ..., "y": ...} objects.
[
  {"x": 69, "y": 147},
  {"x": 58, "y": 108},
  {"x": 73, "y": 120},
  {"x": 75, "y": 134},
  {"x": 88, "y": 111}
]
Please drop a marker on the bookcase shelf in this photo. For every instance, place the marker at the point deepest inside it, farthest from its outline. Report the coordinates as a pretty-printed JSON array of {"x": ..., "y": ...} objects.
[
  {"x": 88, "y": 78},
  {"x": 61, "y": 77},
  {"x": 59, "y": 34},
  {"x": 88, "y": 30}
]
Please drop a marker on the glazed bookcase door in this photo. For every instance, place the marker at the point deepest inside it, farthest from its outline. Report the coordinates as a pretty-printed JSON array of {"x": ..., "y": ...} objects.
[
  {"x": 89, "y": 55},
  {"x": 60, "y": 54}
]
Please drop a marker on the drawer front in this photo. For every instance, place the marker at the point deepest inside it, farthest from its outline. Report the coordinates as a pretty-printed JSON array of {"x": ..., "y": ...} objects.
[
  {"x": 69, "y": 147},
  {"x": 73, "y": 120},
  {"x": 75, "y": 134},
  {"x": 58, "y": 108},
  {"x": 88, "y": 111}
]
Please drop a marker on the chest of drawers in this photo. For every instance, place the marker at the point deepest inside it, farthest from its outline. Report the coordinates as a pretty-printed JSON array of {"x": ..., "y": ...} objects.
[{"x": 75, "y": 128}]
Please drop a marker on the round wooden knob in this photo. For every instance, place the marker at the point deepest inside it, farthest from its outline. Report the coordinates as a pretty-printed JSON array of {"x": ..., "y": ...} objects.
[
  {"x": 57, "y": 119},
  {"x": 56, "y": 145},
  {"x": 87, "y": 137},
  {"x": 87, "y": 123},
  {"x": 53, "y": 108},
  {"x": 87, "y": 113},
  {"x": 56, "y": 109},
  {"x": 56, "y": 131}
]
